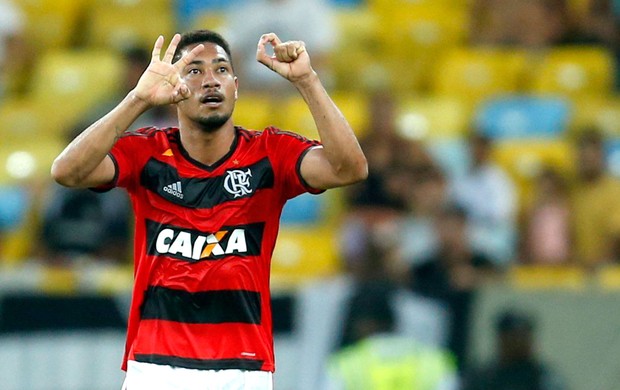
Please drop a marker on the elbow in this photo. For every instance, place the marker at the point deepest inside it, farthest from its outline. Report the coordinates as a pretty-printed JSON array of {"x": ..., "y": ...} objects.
[
  {"x": 62, "y": 174},
  {"x": 358, "y": 171}
]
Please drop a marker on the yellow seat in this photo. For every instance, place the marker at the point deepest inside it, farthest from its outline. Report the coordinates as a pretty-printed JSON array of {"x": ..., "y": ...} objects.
[
  {"x": 304, "y": 253},
  {"x": 539, "y": 277},
  {"x": 51, "y": 24},
  {"x": 356, "y": 65},
  {"x": 600, "y": 112},
  {"x": 23, "y": 119},
  {"x": 438, "y": 117},
  {"x": 413, "y": 37},
  {"x": 524, "y": 160},
  {"x": 211, "y": 20},
  {"x": 121, "y": 24},
  {"x": 28, "y": 159},
  {"x": 295, "y": 115},
  {"x": 477, "y": 74},
  {"x": 66, "y": 84},
  {"x": 253, "y": 111},
  {"x": 575, "y": 72},
  {"x": 608, "y": 277}
]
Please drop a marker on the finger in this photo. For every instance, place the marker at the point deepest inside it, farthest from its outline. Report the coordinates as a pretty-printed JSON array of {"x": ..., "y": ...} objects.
[
  {"x": 291, "y": 50},
  {"x": 157, "y": 48},
  {"x": 281, "y": 52},
  {"x": 300, "y": 48},
  {"x": 189, "y": 57},
  {"x": 172, "y": 47},
  {"x": 261, "y": 51}
]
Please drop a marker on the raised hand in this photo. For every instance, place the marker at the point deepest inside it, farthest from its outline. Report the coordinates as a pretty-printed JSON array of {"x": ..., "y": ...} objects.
[
  {"x": 161, "y": 83},
  {"x": 290, "y": 59}
]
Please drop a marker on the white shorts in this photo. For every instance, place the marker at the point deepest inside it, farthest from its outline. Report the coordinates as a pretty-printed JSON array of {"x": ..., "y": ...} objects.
[{"x": 147, "y": 376}]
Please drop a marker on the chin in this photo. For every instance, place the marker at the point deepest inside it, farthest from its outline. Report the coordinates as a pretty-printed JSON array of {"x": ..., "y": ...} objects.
[{"x": 213, "y": 122}]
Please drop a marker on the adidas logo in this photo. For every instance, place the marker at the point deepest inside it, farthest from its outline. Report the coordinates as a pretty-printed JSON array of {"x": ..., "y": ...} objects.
[{"x": 174, "y": 189}]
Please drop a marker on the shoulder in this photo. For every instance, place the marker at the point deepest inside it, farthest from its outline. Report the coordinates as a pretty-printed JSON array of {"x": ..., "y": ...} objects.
[{"x": 151, "y": 132}]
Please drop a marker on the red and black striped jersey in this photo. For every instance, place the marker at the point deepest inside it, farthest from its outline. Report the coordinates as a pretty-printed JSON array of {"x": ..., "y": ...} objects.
[{"x": 204, "y": 236}]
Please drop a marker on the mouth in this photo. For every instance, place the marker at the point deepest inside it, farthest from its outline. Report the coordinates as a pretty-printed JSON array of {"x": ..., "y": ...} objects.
[{"x": 212, "y": 99}]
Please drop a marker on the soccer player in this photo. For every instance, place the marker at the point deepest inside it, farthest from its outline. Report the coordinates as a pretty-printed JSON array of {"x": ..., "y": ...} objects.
[{"x": 207, "y": 198}]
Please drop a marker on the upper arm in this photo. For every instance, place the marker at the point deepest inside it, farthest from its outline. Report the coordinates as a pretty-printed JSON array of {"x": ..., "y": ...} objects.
[
  {"x": 316, "y": 170},
  {"x": 104, "y": 174}
]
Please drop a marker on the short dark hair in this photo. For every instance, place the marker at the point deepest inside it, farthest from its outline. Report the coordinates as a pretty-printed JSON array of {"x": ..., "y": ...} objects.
[
  {"x": 202, "y": 36},
  {"x": 591, "y": 136}
]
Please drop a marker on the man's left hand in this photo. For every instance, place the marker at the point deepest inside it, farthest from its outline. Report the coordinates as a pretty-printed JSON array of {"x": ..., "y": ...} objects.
[{"x": 290, "y": 59}]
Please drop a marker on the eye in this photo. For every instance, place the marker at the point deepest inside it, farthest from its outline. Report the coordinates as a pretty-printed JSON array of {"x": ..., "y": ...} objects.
[
  {"x": 193, "y": 71},
  {"x": 222, "y": 69}
]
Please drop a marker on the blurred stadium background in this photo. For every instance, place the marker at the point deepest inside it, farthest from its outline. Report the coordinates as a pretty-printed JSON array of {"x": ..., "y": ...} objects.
[{"x": 417, "y": 79}]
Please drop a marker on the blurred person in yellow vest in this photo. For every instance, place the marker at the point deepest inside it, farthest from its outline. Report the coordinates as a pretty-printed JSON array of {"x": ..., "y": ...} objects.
[
  {"x": 595, "y": 204},
  {"x": 13, "y": 53},
  {"x": 384, "y": 360}
]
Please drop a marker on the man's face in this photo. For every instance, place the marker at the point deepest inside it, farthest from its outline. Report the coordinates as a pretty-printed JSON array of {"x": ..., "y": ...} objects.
[{"x": 213, "y": 87}]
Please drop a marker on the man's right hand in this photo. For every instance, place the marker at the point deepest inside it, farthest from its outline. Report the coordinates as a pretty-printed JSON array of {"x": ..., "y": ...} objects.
[{"x": 161, "y": 83}]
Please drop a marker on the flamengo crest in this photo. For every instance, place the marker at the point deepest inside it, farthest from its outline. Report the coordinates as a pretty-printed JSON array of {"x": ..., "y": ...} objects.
[{"x": 237, "y": 182}]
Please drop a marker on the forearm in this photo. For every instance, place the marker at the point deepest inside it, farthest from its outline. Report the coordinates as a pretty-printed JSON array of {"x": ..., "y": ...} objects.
[
  {"x": 339, "y": 142},
  {"x": 84, "y": 154}
]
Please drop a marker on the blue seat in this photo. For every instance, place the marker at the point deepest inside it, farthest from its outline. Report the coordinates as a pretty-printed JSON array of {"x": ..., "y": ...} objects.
[
  {"x": 304, "y": 209},
  {"x": 612, "y": 152},
  {"x": 523, "y": 117},
  {"x": 188, "y": 9},
  {"x": 14, "y": 203}
]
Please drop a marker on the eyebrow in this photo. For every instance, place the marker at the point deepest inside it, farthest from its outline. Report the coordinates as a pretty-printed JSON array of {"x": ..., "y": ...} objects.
[{"x": 214, "y": 61}]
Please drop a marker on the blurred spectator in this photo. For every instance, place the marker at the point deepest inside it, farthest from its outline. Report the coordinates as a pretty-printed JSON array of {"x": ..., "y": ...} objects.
[
  {"x": 535, "y": 24},
  {"x": 12, "y": 48},
  {"x": 79, "y": 223},
  {"x": 516, "y": 366},
  {"x": 379, "y": 147},
  {"x": 546, "y": 235},
  {"x": 490, "y": 201},
  {"x": 84, "y": 224},
  {"x": 595, "y": 204},
  {"x": 427, "y": 196},
  {"x": 136, "y": 59},
  {"x": 382, "y": 359},
  {"x": 452, "y": 274},
  {"x": 311, "y": 21}
]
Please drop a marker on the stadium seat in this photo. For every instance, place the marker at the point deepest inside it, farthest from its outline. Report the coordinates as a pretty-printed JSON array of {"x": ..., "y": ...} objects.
[
  {"x": 523, "y": 117},
  {"x": 23, "y": 118},
  {"x": 437, "y": 117},
  {"x": 253, "y": 111},
  {"x": 295, "y": 115},
  {"x": 66, "y": 84},
  {"x": 188, "y": 11},
  {"x": 304, "y": 253},
  {"x": 305, "y": 209},
  {"x": 612, "y": 153},
  {"x": 575, "y": 72},
  {"x": 599, "y": 112},
  {"x": 413, "y": 37},
  {"x": 28, "y": 159},
  {"x": 356, "y": 67},
  {"x": 608, "y": 278},
  {"x": 115, "y": 23},
  {"x": 524, "y": 160},
  {"x": 539, "y": 277},
  {"x": 52, "y": 24},
  {"x": 476, "y": 74},
  {"x": 211, "y": 20}
]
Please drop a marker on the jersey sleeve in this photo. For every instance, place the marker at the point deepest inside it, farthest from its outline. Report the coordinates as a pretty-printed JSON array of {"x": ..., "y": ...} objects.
[
  {"x": 126, "y": 154},
  {"x": 286, "y": 151}
]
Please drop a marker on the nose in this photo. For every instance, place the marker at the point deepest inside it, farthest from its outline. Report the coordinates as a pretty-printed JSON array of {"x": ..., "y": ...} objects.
[{"x": 209, "y": 80}]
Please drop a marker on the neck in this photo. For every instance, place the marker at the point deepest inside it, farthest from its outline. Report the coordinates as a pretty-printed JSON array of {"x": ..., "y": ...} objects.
[{"x": 207, "y": 147}]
